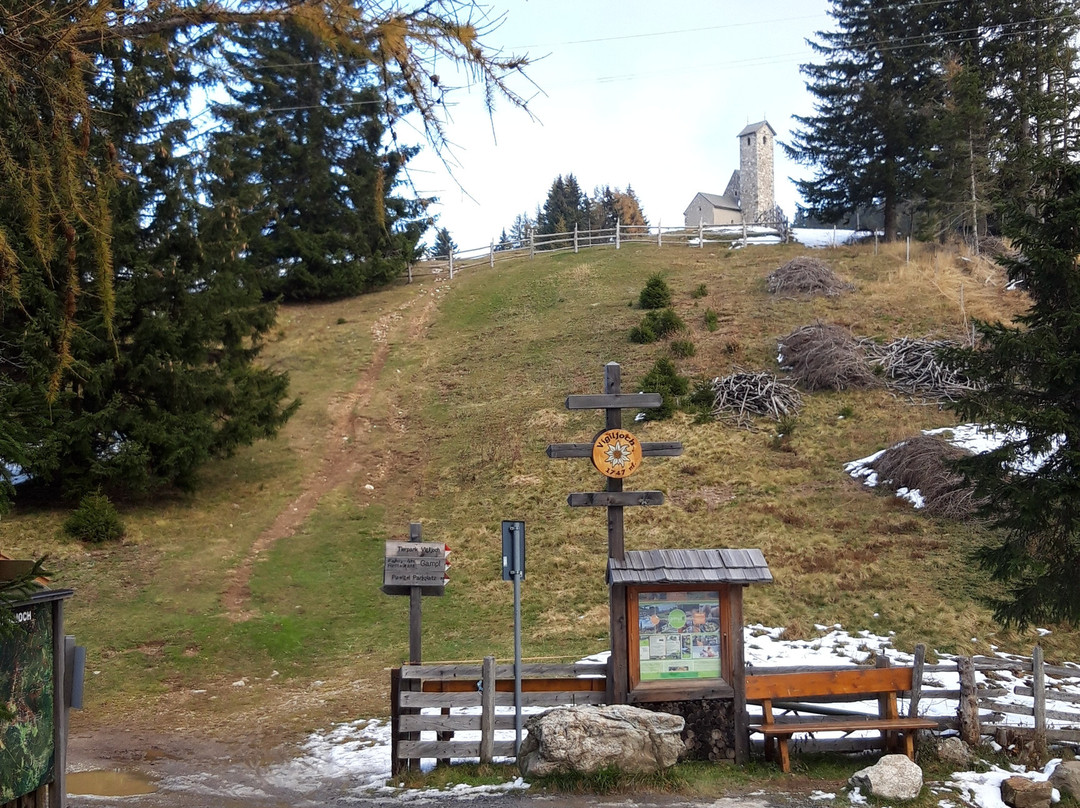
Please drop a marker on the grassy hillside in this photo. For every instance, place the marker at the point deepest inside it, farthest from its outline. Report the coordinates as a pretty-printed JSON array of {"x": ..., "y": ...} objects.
[{"x": 434, "y": 403}]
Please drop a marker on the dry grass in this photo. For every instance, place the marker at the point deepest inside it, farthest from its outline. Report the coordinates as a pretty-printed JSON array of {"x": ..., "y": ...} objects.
[{"x": 457, "y": 428}]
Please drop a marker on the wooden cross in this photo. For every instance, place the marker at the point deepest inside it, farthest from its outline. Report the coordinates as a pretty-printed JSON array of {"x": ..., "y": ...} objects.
[{"x": 614, "y": 498}]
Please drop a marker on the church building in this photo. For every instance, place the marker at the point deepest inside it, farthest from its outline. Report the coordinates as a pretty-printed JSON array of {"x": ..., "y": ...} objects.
[{"x": 749, "y": 194}]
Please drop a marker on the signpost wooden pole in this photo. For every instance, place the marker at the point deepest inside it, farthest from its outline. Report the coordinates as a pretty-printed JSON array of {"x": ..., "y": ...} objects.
[{"x": 617, "y": 454}]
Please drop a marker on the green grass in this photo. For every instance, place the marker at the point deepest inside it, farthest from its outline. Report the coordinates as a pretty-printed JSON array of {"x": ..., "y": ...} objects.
[{"x": 454, "y": 434}]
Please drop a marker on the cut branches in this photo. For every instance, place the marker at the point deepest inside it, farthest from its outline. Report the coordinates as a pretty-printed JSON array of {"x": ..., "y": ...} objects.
[
  {"x": 806, "y": 276},
  {"x": 926, "y": 464},
  {"x": 745, "y": 395},
  {"x": 825, "y": 357},
  {"x": 915, "y": 366}
]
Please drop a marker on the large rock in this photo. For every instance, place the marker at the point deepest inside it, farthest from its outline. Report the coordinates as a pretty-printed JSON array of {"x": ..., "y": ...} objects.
[
  {"x": 954, "y": 752},
  {"x": 1020, "y": 792},
  {"x": 585, "y": 739},
  {"x": 894, "y": 777},
  {"x": 1066, "y": 777}
]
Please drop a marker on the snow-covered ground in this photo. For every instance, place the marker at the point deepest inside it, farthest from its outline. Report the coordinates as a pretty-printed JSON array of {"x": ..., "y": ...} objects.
[{"x": 356, "y": 755}]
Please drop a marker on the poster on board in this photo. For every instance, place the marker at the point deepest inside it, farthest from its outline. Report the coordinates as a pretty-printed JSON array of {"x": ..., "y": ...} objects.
[{"x": 679, "y": 635}]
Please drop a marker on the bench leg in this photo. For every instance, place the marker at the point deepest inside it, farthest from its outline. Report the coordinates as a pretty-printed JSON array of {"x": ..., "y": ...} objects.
[
  {"x": 785, "y": 759},
  {"x": 909, "y": 745}
]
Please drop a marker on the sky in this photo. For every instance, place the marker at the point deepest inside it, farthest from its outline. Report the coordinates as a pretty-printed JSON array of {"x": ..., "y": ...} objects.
[{"x": 645, "y": 94}]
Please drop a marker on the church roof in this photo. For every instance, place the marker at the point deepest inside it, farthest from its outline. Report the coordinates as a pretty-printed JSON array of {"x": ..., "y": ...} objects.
[
  {"x": 720, "y": 200},
  {"x": 753, "y": 127}
]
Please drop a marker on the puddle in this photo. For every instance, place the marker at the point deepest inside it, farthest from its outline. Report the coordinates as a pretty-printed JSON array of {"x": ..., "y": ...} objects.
[{"x": 109, "y": 784}]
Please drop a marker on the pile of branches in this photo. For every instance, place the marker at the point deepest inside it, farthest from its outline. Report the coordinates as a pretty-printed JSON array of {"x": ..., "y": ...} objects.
[
  {"x": 924, "y": 463},
  {"x": 914, "y": 366},
  {"x": 808, "y": 276},
  {"x": 825, "y": 357},
  {"x": 744, "y": 395}
]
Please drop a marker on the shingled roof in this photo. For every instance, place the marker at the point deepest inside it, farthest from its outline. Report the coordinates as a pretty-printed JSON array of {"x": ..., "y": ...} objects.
[{"x": 690, "y": 566}]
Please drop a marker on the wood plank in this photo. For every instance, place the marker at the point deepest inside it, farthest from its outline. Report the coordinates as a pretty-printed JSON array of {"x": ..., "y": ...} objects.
[
  {"x": 614, "y": 401},
  {"x": 551, "y": 699},
  {"x": 1038, "y": 682},
  {"x": 507, "y": 685},
  {"x": 1051, "y": 695},
  {"x": 440, "y": 699},
  {"x": 685, "y": 690},
  {"x": 605, "y": 499},
  {"x": 917, "y": 666},
  {"x": 827, "y": 683},
  {"x": 1063, "y": 735},
  {"x": 439, "y": 723},
  {"x": 852, "y": 725},
  {"x": 562, "y": 451},
  {"x": 1011, "y": 709},
  {"x": 487, "y": 710},
  {"x": 1063, "y": 671},
  {"x": 454, "y": 749},
  {"x": 826, "y": 745},
  {"x": 505, "y": 671}
]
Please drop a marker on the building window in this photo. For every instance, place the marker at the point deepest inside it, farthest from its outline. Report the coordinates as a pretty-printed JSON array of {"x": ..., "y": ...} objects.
[{"x": 748, "y": 141}]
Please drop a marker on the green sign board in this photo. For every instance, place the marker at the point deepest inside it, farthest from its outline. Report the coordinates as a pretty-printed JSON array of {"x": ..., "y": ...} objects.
[
  {"x": 679, "y": 635},
  {"x": 27, "y": 690}
]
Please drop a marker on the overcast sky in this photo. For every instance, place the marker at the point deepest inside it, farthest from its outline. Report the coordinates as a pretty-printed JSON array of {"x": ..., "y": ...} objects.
[{"x": 645, "y": 94}]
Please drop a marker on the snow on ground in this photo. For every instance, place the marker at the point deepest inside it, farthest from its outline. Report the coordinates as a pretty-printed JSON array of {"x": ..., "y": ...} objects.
[
  {"x": 356, "y": 755},
  {"x": 824, "y": 237},
  {"x": 973, "y": 437}
]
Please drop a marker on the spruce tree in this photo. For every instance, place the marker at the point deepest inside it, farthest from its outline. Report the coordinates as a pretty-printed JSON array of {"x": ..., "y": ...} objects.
[
  {"x": 159, "y": 377},
  {"x": 444, "y": 244},
  {"x": 1028, "y": 387},
  {"x": 867, "y": 136},
  {"x": 302, "y": 159}
]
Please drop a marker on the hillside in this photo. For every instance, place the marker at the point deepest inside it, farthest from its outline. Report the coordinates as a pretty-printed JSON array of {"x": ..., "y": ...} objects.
[{"x": 252, "y": 608}]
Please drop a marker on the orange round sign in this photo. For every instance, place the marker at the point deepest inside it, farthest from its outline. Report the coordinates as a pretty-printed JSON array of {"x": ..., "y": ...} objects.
[{"x": 616, "y": 453}]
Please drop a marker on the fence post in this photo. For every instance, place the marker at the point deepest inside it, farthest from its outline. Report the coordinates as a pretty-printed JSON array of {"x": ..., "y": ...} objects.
[
  {"x": 575, "y": 237},
  {"x": 916, "y": 681},
  {"x": 659, "y": 236},
  {"x": 491, "y": 254},
  {"x": 907, "y": 256},
  {"x": 410, "y": 272},
  {"x": 1038, "y": 685},
  {"x": 451, "y": 263},
  {"x": 744, "y": 233},
  {"x": 617, "y": 233},
  {"x": 970, "y": 731},
  {"x": 700, "y": 234},
  {"x": 395, "y": 720},
  {"x": 532, "y": 244},
  {"x": 487, "y": 710}
]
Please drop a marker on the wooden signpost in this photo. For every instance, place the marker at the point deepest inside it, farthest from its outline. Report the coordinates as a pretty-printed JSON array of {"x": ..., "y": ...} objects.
[
  {"x": 415, "y": 568},
  {"x": 616, "y": 453}
]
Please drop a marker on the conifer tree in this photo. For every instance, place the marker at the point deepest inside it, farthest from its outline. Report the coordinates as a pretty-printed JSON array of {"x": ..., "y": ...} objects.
[
  {"x": 1027, "y": 376},
  {"x": 867, "y": 137},
  {"x": 302, "y": 159},
  {"x": 444, "y": 244}
]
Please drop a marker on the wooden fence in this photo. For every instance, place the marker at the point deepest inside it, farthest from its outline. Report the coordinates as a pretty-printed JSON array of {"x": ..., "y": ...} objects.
[
  {"x": 463, "y": 259},
  {"x": 974, "y": 709},
  {"x": 479, "y": 689}
]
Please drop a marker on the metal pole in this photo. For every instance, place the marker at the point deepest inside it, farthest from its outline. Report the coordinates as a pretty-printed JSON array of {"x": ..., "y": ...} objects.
[{"x": 517, "y": 663}]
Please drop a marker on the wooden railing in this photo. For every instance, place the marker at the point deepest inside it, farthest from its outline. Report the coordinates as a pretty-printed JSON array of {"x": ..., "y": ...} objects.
[
  {"x": 475, "y": 257},
  {"x": 480, "y": 689}
]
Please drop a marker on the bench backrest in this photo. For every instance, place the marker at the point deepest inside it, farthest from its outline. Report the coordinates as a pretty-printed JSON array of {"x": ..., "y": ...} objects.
[{"x": 827, "y": 683}]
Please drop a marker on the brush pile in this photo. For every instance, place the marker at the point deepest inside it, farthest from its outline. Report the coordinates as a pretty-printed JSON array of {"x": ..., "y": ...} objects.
[
  {"x": 914, "y": 366},
  {"x": 806, "y": 276},
  {"x": 825, "y": 357},
  {"x": 994, "y": 248},
  {"x": 745, "y": 395},
  {"x": 924, "y": 464}
]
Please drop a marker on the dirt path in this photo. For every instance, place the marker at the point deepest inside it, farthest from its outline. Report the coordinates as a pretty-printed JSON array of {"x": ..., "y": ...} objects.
[{"x": 345, "y": 455}]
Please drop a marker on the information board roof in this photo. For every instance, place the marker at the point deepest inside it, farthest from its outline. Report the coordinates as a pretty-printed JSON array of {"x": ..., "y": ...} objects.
[{"x": 690, "y": 566}]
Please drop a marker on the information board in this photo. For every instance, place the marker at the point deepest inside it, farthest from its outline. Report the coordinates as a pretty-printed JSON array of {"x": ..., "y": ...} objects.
[{"x": 679, "y": 635}]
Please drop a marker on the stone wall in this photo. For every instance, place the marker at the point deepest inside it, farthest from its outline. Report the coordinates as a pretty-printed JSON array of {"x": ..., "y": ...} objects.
[{"x": 710, "y": 727}]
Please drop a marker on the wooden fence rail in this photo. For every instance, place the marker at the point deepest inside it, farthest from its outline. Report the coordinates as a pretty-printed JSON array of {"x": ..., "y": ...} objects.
[{"x": 474, "y": 257}]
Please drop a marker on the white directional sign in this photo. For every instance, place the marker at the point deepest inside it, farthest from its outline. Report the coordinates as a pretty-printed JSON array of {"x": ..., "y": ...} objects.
[{"x": 409, "y": 564}]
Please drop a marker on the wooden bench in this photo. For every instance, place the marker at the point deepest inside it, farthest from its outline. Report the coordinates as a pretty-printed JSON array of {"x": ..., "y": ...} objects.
[{"x": 835, "y": 685}]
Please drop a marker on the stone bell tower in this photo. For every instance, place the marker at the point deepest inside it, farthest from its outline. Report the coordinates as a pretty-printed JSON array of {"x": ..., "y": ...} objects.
[{"x": 756, "y": 172}]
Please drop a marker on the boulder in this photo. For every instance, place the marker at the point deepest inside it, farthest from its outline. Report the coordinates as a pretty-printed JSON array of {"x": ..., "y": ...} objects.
[
  {"x": 1066, "y": 778},
  {"x": 894, "y": 777},
  {"x": 954, "y": 752},
  {"x": 585, "y": 739},
  {"x": 1020, "y": 792}
]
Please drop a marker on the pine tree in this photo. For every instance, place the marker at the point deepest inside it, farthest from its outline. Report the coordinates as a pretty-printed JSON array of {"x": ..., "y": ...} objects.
[
  {"x": 160, "y": 377},
  {"x": 565, "y": 207},
  {"x": 1028, "y": 386},
  {"x": 302, "y": 159},
  {"x": 444, "y": 245},
  {"x": 867, "y": 137}
]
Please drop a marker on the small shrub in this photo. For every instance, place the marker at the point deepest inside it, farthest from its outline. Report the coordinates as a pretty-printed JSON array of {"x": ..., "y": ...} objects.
[
  {"x": 95, "y": 520},
  {"x": 682, "y": 348},
  {"x": 712, "y": 321},
  {"x": 341, "y": 321},
  {"x": 846, "y": 411},
  {"x": 664, "y": 379},
  {"x": 656, "y": 325},
  {"x": 656, "y": 294},
  {"x": 700, "y": 292}
]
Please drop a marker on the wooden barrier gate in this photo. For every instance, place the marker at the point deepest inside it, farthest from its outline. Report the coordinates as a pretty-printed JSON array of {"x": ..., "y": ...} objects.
[{"x": 485, "y": 686}]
